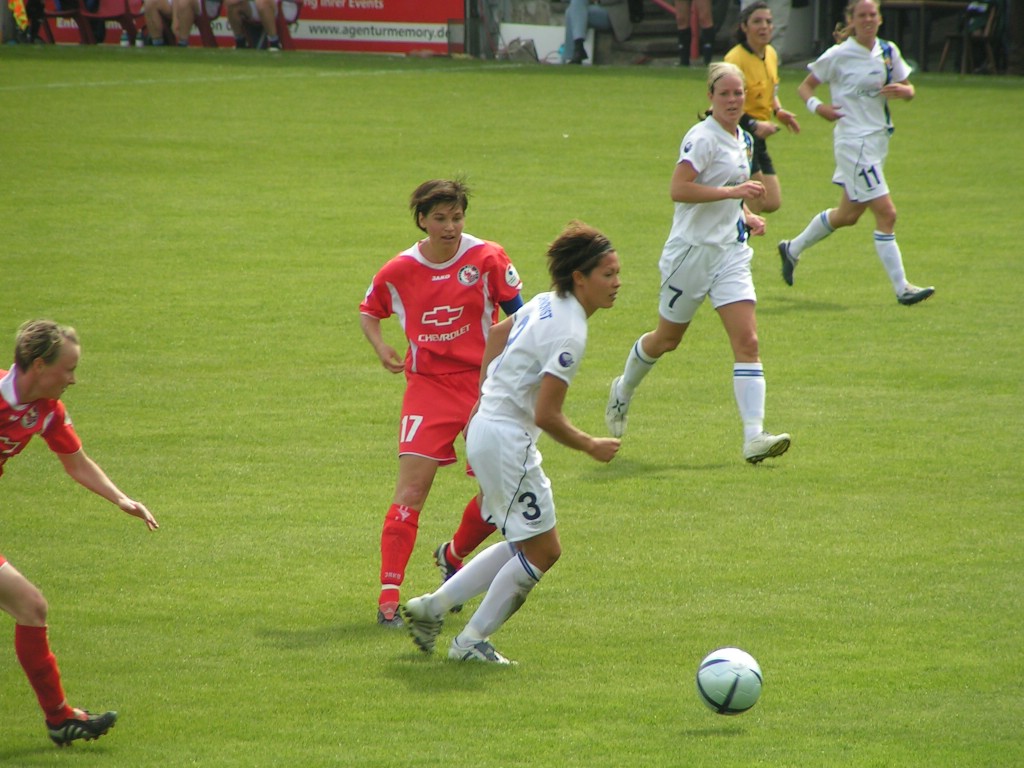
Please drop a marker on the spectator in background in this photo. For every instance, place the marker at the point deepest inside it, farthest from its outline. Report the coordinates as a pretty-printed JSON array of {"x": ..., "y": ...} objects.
[
  {"x": 605, "y": 15},
  {"x": 707, "y": 30},
  {"x": 262, "y": 12},
  {"x": 45, "y": 358},
  {"x": 756, "y": 57},
  {"x": 159, "y": 15}
]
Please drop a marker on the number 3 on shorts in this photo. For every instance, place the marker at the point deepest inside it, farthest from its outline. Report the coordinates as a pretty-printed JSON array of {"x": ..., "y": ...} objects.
[{"x": 529, "y": 501}]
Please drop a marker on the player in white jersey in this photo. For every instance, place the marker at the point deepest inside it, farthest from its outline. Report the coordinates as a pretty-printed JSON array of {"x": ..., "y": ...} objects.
[
  {"x": 707, "y": 256},
  {"x": 863, "y": 73},
  {"x": 530, "y": 360}
]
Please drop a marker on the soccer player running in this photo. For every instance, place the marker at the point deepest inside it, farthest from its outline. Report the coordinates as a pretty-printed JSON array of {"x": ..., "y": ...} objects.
[
  {"x": 756, "y": 57},
  {"x": 45, "y": 358},
  {"x": 445, "y": 291},
  {"x": 707, "y": 256},
  {"x": 531, "y": 360},
  {"x": 863, "y": 73}
]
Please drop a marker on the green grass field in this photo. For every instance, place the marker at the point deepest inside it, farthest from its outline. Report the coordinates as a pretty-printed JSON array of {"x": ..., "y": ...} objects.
[{"x": 209, "y": 221}]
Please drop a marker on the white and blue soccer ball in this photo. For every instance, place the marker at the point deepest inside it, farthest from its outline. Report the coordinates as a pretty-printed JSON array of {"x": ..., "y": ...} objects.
[{"x": 729, "y": 681}]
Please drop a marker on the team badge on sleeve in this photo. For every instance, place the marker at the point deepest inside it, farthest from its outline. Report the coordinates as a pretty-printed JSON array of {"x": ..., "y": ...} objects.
[
  {"x": 512, "y": 277},
  {"x": 565, "y": 359}
]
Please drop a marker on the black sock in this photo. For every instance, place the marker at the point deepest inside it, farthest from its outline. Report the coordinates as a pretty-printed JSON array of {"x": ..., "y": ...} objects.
[
  {"x": 685, "y": 40},
  {"x": 707, "y": 43}
]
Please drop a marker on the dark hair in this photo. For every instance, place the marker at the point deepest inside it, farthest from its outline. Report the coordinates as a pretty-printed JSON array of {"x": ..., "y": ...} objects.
[
  {"x": 745, "y": 14},
  {"x": 579, "y": 248},
  {"x": 435, "y": 192},
  {"x": 41, "y": 339}
]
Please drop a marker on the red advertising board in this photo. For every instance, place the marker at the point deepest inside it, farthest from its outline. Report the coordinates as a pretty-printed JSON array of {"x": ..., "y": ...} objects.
[{"x": 378, "y": 26}]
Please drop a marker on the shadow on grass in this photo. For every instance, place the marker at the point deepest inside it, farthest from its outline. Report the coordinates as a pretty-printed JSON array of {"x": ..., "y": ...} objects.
[
  {"x": 726, "y": 729},
  {"x": 303, "y": 638},
  {"x": 433, "y": 673},
  {"x": 788, "y": 303},
  {"x": 41, "y": 752},
  {"x": 630, "y": 467}
]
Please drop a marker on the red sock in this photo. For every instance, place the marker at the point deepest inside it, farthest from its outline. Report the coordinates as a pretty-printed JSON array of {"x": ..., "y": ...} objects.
[
  {"x": 396, "y": 543},
  {"x": 472, "y": 532},
  {"x": 40, "y": 665}
]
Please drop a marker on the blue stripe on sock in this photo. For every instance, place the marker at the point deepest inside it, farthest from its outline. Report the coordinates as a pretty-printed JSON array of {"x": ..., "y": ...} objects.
[
  {"x": 748, "y": 373},
  {"x": 824, "y": 220},
  {"x": 640, "y": 355},
  {"x": 528, "y": 568}
]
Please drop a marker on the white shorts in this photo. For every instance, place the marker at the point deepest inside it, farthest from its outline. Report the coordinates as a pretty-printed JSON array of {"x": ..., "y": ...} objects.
[
  {"x": 860, "y": 165},
  {"x": 517, "y": 493},
  {"x": 721, "y": 272}
]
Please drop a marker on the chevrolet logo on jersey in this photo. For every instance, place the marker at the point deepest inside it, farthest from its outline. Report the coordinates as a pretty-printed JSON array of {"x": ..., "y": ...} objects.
[{"x": 442, "y": 316}]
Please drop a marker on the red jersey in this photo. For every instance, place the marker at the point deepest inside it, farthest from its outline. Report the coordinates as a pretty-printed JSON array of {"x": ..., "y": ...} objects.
[
  {"x": 18, "y": 422},
  {"x": 445, "y": 310}
]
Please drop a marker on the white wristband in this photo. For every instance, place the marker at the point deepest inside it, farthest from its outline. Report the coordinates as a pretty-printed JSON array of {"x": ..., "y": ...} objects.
[{"x": 812, "y": 104}]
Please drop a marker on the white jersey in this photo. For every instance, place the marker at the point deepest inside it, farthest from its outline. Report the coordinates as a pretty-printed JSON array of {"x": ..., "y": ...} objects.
[
  {"x": 855, "y": 78},
  {"x": 721, "y": 159},
  {"x": 549, "y": 335}
]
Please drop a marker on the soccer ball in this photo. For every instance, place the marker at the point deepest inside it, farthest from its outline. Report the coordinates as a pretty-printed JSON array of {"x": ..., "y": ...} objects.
[{"x": 729, "y": 681}]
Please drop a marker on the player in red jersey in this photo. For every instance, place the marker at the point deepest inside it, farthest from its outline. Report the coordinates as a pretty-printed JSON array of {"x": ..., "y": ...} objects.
[
  {"x": 445, "y": 291},
  {"x": 45, "y": 357}
]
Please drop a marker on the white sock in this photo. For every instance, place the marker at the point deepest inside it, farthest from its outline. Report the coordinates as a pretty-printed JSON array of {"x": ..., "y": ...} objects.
[
  {"x": 473, "y": 578},
  {"x": 506, "y": 595},
  {"x": 638, "y": 365},
  {"x": 749, "y": 387},
  {"x": 816, "y": 231},
  {"x": 892, "y": 260}
]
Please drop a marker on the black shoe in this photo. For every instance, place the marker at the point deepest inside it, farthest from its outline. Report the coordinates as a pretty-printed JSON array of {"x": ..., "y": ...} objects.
[
  {"x": 913, "y": 294},
  {"x": 579, "y": 53},
  {"x": 788, "y": 264},
  {"x": 387, "y": 616},
  {"x": 83, "y": 726}
]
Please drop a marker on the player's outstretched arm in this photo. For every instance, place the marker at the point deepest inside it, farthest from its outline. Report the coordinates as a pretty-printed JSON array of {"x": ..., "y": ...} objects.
[{"x": 88, "y": 474}]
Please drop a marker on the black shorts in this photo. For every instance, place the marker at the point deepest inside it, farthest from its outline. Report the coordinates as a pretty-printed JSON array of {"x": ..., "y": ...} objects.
[{"x": 761, "y": 160}]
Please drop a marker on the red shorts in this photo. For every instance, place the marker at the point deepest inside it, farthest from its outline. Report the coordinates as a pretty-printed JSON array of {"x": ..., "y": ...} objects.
[
  {"x": 435, "y": 411},
  {"x": 2, "y": 561}
]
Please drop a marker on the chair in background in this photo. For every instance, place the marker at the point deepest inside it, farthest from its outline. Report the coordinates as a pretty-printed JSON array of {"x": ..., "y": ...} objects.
[
  {"x": 124, "y": 12},
  {"x": 52, "y": 11},
  {"x": 977, "y": 27},
  {"x": 288, "y": 14},
  {"x": 208, "y": 11}
]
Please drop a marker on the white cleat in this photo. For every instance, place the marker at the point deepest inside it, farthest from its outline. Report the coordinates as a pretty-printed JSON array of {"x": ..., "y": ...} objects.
[
  {"x": 765, "y": 446},
  {"x": 615, "y": 412},
  {"x": 423, "y": 624},
  {"x": 481, "y": 651}
]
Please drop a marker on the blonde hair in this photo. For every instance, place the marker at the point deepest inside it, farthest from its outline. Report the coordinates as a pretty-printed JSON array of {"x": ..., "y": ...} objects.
[
  {"x": 721, "y": 69},
  {"x": 41, "y": 339},
  {"x": 844, "y": 28}
]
